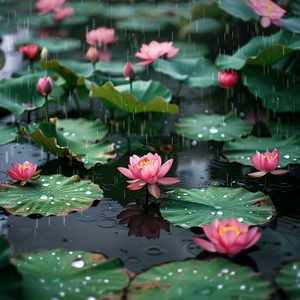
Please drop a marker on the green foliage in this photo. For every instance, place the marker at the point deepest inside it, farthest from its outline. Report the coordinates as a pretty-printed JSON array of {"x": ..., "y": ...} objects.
[
  {"x": 8, "y": 133},
  {"x": 194, "y": 207},
  {"x": 242, "y": 149},
  {"x": 193, "y": 279},
  {"x": 73, "y": 275},
  {"x": 213, "y": 127},
  {"x": 49, "y": 195}
]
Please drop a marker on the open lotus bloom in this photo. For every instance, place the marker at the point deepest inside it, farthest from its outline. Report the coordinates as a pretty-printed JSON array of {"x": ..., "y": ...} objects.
[
  {"x": 24, "y": 172},
  {"x": 268, "y": 10},
  {"x": 101, "y": 36},
  {"x": 148, "y": 170},
  {"x": 149, "y": 53},
  {"x": 266, "y": 163},
  {"x": 228, "y": 237},
  {"x": 46, "y": 6}
]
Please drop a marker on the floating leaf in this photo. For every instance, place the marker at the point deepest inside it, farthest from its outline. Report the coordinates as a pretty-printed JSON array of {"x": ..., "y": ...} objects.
[
  {"x": 53, "y": 44},
  {"x": 10, "y": 278},
  {"x": 279, "y": 91},
  {"x": 72, "y": 275},
  {"x": 288, "y": 279},
  {"x": 242, "y": 149},
  {"x": 193, "y": 72},
  {"x": 49, "y": 195},
  {"x": 261, "y": 50},
  {"x": 20, "y": 94},
  {"x": 213, "y": 127},
  {"x": 194, "y": 207},
  {"x": 8, "y": 133},
  {"x": 193, "y": 279},
  {"x": 113, "y": 99}
]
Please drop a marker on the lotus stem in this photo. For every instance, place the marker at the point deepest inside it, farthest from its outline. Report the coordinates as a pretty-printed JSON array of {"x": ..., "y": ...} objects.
[{"x": 46, "y": 108}]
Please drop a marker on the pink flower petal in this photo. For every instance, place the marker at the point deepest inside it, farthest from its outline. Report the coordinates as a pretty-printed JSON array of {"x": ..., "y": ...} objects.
[
  {"x": 153, "y": 190},
  {"x": 204, "y": 244},
  {"x": 279, "y": 172},
  {"x": 257, "y": 174},
  {"x": 168, "y": 180}
]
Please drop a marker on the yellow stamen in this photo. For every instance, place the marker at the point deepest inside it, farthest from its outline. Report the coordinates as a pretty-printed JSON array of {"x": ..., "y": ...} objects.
[
  {"x": 269, "y": 157},
  {"x": 231, "y": 228},
  {"x": 269, "y": 6},
  {"x": 25, "y": 166},
  {"x": 145, "y": 163}
]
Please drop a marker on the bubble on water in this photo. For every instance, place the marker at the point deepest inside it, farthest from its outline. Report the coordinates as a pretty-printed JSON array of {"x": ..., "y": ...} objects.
[
  {"x": 45, "y": 184},
  {"x": 242, "y": 287},
  {"x": 194, "y": 143},
  {"x": 73, "y": 199},
  {"x": 286, "y": 156},
  {"x": 220, "y": 286},
  {"x": 200, "y": 135},
  {"x": 240, "y": 220},
  {"x": 44, "y": 197},
  {"x": 222, "y": 135}
]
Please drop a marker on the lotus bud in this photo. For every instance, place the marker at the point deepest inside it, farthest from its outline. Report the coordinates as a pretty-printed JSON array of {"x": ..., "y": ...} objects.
[
  {"x": 129, "y": 71},
  {"x": 44, "y": 86}
]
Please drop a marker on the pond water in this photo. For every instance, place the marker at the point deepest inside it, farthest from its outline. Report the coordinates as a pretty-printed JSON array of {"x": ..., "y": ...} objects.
[{"x": 198, "y": 164}]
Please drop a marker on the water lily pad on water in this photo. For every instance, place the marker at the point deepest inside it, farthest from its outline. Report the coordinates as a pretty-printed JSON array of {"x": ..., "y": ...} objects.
[
  {"x": 74, "y": 275},
  {"x": 49, "y": 195},
  {"x": 194, "y": 207},
  {"x": 10, "y": 278},
  {"x": 288, "y": 279},
  {"x": 193, "y": 279},
  {"x": 213, "y": 127},
  {"x": 240, "y": 150},
  {"x": 8, "y": 133}
]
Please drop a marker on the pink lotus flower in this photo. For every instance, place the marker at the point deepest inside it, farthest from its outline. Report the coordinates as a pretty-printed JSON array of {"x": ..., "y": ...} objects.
[
  {"x": 63, "y": 13},
  {"x": 228, "y": 237},
  {"x": 101, "y": 36},
  {"x": 147, "y": 170},
  {"x": 24, "y": 172},
  {"x": 44, "y": 86},
  {"x": 149, "y": 53},
  {"x": 268, "y": 10},
  {"x": 29, "y": 51},
  {"x": 228, "y": 79},
  {"x": 266, "y": 163},
  {"x": 129, "y": 71},
  {"x": 46, "y": 6}
]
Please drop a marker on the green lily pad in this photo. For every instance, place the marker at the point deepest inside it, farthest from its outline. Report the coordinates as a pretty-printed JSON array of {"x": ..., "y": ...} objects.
[
  {"x": 195, "y": 207},
  {"x": 204, "y": 25},
  {"x": 53, "y": 44},
  {"x": 193, "y": 279},
  {"x": 113, "y": 99},
  {"x": 193, "y": 72},
  {"x": 10, "y": 278},
  {"x": 238, "y": 9},
  {"x": 288, "y": 279},
  {"x": 71, "y": 275},
  {"x": 279, "y": 91},
  {"x": 213, "y": 127},
  {"x": 261, "y": 50},
  {"x": 49, "y": 195},
  {"x": 240, "y": 150},
  {"x": 20, "y": 94},
  {"x": 145, "y": 91},
  {"x": 82, "y": 141},
  {"x": 114, "y": 68},
  {"x": 8, "y": 133}
]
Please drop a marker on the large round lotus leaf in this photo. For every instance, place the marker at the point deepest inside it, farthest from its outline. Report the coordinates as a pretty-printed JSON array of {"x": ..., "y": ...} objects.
[
  {"x": 194, "y": 207},
  {"x": 81, "y": 129},
  {"x": 10, "y": 278},
  {"x": 238, "y": 9},
  {"x": 192, "y": 71},
  {"x": 242, "y": 149},
  {"x": 278, "y": 90},
  {"x": 288, "y": 279},
  {"x": 49, "y": 195},
  {"x": 8, "y": 133},
  {"x": 59, "y": 274},
  {"x": 129, "y": 103},
  {"x": 194, "y": 280},
  {"x": 54, "y": 45},
  {"x": 19, "y": 94},
  {"x": 261, "y": 50},
  {"x": 213, "y": 127},
  {"x": 145, "y": 91}
]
